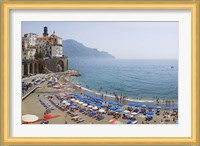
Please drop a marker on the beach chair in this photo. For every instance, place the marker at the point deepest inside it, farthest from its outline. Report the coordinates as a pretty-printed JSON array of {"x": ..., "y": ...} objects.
[
  {"x": 100, "y": 117},
  {"x": 129, "y": 122},
  {"x": 80, "y": 120},
  {"x": 94, "y": 115},
  {"x": 85, "y": 112},
  {"x": 149, "y": 118},
  {"x": 134, "y": 122},
  {"x": 74, "y": 118},
  {"x": 142, "y": 111},
  {"x": 136, "y": 110},
  {"x": 73, "y": 114}
]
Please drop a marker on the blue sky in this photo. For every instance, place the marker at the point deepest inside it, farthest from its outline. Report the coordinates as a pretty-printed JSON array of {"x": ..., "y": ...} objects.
[{"x": 124, "y": 40}]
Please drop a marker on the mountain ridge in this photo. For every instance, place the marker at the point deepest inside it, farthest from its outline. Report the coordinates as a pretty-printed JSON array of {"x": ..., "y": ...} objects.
[{"x": 75, "y": 49}]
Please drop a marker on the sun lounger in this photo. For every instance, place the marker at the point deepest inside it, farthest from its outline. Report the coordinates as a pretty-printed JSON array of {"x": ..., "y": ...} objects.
[
  {"x": 91, "y": 114},
  {"x": 80, "y": 120},
  {"x": 134, "y": 122},
  {"x": 142, "y": 111},
  {"x": 74, "y": 118},
  {"x": 100, "y": 117},
  {"x": 73, "y": 114},
  {"x": 148, "y": 118},
  {"x": 129, "y": 122},
  {"x": 136, "y": 110},
  {"x": 46, "y": 104}
]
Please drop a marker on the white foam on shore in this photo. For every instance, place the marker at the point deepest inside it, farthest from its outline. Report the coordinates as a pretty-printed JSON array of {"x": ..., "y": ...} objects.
[
  {"x": 134, "y": 100},
  {"x": 86, "y": 90}
]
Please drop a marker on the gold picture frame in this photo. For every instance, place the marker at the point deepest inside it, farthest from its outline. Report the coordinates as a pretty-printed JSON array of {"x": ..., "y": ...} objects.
[{"x": 5, "y": 105}]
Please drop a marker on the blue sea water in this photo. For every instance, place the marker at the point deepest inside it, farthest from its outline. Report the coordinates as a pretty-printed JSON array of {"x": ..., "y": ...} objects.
[{"x": 132, "y": 78}]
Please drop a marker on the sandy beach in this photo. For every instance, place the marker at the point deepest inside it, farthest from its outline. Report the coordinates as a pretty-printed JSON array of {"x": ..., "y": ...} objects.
[{"x": 63, "y": 91}]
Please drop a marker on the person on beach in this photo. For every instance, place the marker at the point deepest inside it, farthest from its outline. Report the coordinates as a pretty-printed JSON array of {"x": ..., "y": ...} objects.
[{"x": 169, "y": 102}]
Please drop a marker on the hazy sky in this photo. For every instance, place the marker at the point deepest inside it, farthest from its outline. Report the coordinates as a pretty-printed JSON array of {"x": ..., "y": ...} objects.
[{"x": 124, "y": 40}]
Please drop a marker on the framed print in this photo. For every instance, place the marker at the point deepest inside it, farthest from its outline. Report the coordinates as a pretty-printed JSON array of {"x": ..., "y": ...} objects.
[{"x": 100, "y": 73}]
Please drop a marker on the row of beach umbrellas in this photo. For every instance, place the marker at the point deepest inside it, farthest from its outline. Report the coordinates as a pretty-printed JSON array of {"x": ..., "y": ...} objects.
[{"x": 86, "y": 101}]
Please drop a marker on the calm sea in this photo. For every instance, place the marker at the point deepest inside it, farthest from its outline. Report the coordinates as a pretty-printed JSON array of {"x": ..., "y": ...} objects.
[{"x": 132, "y": 78}]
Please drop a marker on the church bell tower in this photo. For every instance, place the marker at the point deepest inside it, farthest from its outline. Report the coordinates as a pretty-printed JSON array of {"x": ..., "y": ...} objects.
[{"x": 45, "y": 31}]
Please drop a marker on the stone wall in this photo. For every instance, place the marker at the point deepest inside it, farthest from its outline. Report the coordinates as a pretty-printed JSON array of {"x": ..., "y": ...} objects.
[{"x": 38, "y": 66}]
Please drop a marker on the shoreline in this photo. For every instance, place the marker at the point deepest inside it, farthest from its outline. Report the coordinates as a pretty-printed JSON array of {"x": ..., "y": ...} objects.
[
  {"x": 127, "y": 100},
  {"x": 105, "y": 96}
]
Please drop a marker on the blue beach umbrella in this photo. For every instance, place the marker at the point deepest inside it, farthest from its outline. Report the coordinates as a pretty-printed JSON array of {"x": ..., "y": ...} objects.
[
  {"x": 137, "y": 105},
  {"x": 119, "y": 110},
  {"x": 96, "y": 98},
  {"x": 103, "y": 105},
  {"x": 99, "y": 99},
  {"x": 113, "y": 108},
  {"x": 83, "y": 99},
  {"x": 87, "y": 94},
  {"x": 120, "y": 104},
  {"x": 150, "y": 106},
  {"x": 98, "y": 104},
  {"x": 92, "y": 98},
  {"x": 115, "y": 103},
  {"x": 110, "y": 102},
  {"x": 150, "y": 113},
  {"x": 131, "y": 104},
  {"x": 89, "y": 101},
  {"x": 166, "y": 108},
  {"x": 175, "y": 108},
  {"x": 72, "y": 106},
  {"x": 80, "y": 96},
  {"x": 143, "y": 106},
  {"x": 74, "y": 94}
]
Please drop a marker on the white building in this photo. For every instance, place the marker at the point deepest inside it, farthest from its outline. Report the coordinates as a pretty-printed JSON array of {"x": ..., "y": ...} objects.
[
  {"x": 48, "y": 46},
  {"x": 56, "y": 46},
  {"x": 56, "y": 51},
  {"x": 28, "y": 54},
  {"x": 29, "y": 40}
]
